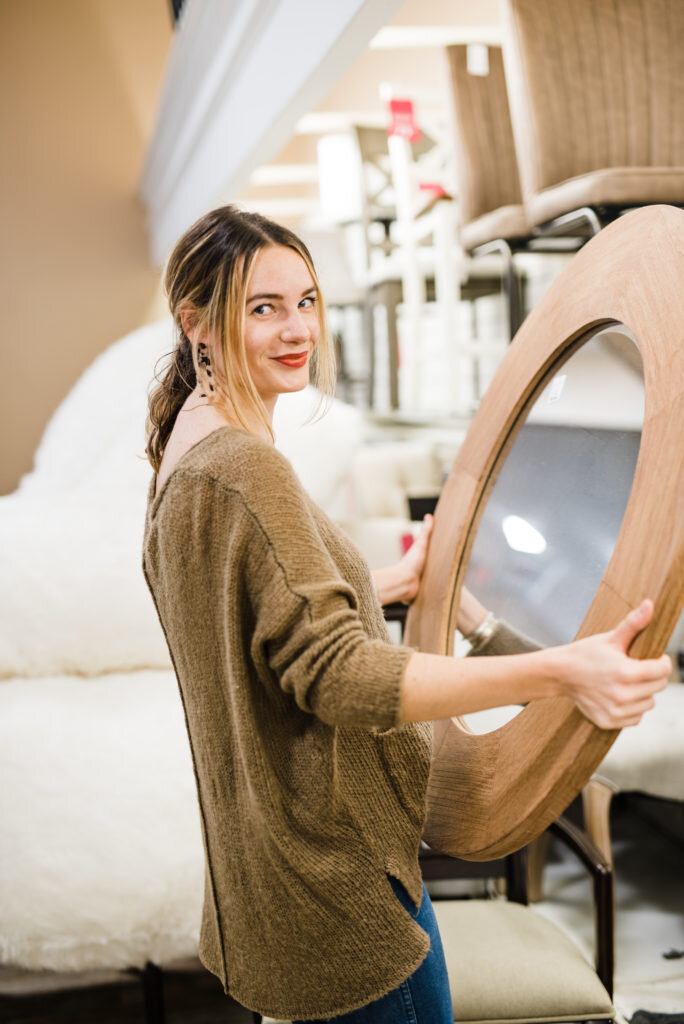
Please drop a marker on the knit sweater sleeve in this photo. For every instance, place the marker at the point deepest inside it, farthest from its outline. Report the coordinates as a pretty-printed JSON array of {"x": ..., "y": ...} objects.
[
  {"x": 307, "y": 632},
  {"x": 505, "y": 640}
]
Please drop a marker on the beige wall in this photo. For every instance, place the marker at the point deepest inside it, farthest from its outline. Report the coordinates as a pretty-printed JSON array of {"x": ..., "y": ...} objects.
[
  {"x": 79, "y": 81},
  {"x": 447, "y": 12}
]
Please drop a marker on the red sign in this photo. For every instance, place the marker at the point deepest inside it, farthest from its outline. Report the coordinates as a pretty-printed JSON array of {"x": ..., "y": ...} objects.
[
  {"x": 435, "y": 187},
  {"x": 402, "y": 120}
]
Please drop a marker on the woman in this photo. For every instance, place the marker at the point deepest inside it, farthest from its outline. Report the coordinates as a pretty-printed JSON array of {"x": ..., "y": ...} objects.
[{"x": 309, "y": 730}]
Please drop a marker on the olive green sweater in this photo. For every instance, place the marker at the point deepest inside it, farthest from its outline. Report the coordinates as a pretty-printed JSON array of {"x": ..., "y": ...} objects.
[{"x": 310, "y": 791}]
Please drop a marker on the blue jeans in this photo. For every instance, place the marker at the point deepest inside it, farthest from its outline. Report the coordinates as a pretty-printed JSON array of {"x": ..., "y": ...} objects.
[{"x": 424, "y": 998}]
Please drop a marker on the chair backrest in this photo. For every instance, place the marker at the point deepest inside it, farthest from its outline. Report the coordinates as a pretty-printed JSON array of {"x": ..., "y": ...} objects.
[
  {"x": 378, "y": 192},
  {"x": 513, "y": 868},
  {"x": 594, "y": 85},
  {"x": 379, "y": 200},
  {"x": 485, "y": 150}
]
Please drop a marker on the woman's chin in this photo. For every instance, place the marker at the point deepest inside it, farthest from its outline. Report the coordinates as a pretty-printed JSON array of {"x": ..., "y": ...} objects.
[{"x": 297, "y": 382}]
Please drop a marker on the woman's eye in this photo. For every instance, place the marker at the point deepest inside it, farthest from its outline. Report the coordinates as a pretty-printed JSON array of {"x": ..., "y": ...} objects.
[
  {"x": 309, "y": 302},
  {"x": 263, "y": 308}
]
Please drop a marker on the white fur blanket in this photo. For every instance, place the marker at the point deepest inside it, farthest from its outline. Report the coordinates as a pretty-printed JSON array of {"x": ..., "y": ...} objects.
[
  {"x": 101, "y": 860},
  {"x": 72, "y": 592}
]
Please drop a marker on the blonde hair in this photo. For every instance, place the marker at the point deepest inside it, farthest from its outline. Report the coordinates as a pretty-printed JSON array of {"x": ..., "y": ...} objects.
[{"x": 207, "y": 277}]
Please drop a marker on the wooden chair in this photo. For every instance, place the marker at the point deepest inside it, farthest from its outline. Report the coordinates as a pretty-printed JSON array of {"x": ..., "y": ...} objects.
[
  {"x": 508, "y": 963},
  {"x": 596, "y": 93}
]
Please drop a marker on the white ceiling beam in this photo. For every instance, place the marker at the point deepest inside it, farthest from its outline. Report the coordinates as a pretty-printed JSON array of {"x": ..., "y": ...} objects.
[
  {"x": 284, "y": 207},
  {"x": 285, "y": 174},
  {"x": 409, "y": 37},
  {"x": 320, "y": 122},
  {"x": 239, "y": 77}
]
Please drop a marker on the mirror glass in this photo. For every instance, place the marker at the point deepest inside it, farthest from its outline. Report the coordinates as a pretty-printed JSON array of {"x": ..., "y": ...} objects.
[{"x": 551, "y": 522}]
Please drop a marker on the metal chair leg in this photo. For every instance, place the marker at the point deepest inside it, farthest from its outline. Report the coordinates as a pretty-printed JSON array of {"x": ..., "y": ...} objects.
[
  {"x": 511, "y": 284},
  {"x": 510, "y": 281}
]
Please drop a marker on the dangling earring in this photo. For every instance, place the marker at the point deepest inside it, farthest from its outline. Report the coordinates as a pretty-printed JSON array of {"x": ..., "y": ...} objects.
[{"x": 204, "y": 368}]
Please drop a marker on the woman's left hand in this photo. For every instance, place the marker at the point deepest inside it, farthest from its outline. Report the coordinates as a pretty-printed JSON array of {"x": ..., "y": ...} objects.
[{"x": 400, "y": 582}]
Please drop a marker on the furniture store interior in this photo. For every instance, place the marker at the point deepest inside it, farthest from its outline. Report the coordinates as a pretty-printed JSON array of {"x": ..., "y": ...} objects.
[{"x": 492, "y": 195}]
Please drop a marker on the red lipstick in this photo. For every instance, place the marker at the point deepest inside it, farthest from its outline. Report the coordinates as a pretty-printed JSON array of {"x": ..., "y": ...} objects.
[{"x": 295, "y": 360}]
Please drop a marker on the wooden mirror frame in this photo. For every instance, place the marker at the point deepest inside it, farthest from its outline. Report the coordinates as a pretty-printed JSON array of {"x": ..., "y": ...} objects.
[{"x": 489, "y": 794}]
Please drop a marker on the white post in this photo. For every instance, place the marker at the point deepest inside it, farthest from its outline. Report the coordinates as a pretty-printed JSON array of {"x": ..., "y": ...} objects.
[{"x": 413, "y": 281}]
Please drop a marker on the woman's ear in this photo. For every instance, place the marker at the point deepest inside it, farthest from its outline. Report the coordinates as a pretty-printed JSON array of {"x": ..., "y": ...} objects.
[{"x": 188, "y": 319}]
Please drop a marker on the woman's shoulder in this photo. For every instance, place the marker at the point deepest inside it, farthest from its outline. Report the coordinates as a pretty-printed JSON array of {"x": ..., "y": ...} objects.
[
  {"x": 232, "y": 455},
  {"x": 237, "y": 460},
  {"x": 234, "y": 478}
]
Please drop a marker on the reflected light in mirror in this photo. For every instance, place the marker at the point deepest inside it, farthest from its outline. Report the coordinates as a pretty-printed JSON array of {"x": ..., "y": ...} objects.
[{"x": 523, "y": 536}]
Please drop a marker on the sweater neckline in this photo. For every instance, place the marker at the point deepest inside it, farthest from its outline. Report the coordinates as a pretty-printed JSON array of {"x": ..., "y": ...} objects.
[{"x": 155, "y": 499}]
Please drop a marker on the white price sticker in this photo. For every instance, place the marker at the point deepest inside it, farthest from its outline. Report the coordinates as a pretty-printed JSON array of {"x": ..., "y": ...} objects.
[{"x": 556, "y": 387}]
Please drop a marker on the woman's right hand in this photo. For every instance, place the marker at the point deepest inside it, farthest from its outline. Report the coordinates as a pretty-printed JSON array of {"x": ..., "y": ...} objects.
[{"x": 610, "y": 688}]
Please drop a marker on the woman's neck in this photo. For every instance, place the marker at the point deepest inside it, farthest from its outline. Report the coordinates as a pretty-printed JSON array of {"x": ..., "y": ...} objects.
[{"x": 216, "y": 414}]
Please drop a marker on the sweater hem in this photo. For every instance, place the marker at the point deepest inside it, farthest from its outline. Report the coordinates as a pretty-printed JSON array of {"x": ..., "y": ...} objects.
[{"x": 292, "y": 1012}]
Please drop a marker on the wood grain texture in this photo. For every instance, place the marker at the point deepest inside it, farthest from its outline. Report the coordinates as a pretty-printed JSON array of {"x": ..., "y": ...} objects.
[
  {"x": 490, "y": 794},
  {"x": 596, "y": 801}
]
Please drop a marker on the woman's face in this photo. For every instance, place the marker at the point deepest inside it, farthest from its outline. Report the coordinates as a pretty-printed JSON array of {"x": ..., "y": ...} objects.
[{"x": 281, "y": 323}]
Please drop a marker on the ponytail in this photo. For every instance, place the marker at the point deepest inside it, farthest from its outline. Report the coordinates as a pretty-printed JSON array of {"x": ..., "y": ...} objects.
[{"x": 166, "y": 399}]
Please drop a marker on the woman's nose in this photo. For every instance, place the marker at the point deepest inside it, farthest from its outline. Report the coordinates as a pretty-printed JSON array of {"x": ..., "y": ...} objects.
[{"x": 296, "y": 328}]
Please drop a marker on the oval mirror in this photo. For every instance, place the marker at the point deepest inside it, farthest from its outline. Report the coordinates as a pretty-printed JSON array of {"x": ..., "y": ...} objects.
[
  {"x": 490, "y": 793},
  {"x": 550, "y": 524}
]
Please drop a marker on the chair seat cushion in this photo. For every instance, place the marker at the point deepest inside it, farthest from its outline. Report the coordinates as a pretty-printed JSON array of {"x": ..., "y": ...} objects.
[
  {"x": 650, "y": 758},
  {"x": 508, "y": 963},
  {"x": 506, "y": 222},
  {"x": 615, "y": 186}
]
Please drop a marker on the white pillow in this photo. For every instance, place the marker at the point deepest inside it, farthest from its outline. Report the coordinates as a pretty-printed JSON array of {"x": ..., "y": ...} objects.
[
  {"x": 72, "y": 593},
  {"x": 321, "y": 451},
  {"x": 386, "y": 474}
]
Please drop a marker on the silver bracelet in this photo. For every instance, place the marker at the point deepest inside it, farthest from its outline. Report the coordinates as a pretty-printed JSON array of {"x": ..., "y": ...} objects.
[{"x": 482, "y": 633}]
